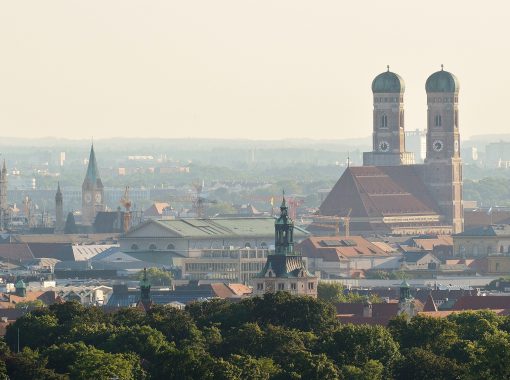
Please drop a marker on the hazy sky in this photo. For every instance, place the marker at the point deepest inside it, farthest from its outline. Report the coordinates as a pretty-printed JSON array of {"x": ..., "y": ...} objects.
[{"x": 242, "y": 69}]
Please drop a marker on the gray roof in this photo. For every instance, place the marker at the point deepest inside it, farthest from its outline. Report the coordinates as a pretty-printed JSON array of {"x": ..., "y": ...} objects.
[
  {"x": 220, "y": 227},
  {"x": 492, "y": 230}
]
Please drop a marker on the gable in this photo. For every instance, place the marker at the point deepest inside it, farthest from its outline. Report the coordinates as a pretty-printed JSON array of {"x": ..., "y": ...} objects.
[{"x": 152, "y": 229}]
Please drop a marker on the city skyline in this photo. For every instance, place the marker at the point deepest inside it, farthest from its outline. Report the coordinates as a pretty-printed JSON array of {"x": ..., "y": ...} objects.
[{"x": 240, "y": 69}]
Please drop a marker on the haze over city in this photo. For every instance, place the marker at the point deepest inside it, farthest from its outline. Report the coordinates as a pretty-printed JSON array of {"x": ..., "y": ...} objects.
[{"x": 241, "y": 69}]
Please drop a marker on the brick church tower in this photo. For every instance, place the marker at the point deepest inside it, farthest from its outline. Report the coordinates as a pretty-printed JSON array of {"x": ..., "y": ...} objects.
[
  {"x": 388, "y": 138},
  {"x": 92, "y": 192},
  {"x": 442, "y": 172}
]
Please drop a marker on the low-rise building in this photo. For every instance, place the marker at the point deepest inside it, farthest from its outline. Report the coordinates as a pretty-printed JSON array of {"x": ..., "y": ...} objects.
[
  {"x": 336, "y": 257},
  {"x": 482, "y": 241}
]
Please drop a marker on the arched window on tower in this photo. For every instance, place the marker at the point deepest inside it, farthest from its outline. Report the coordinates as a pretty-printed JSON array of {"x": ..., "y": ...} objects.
[
  {"x": 456, "y": 116},
  {"x": 384, "y": 121},
  {"x": 438, "y": 120},
  {"x": 402, "y": 119}
]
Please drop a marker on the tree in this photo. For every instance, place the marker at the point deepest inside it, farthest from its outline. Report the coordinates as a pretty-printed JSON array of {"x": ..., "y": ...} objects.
[
  {"x": 358, "y": 344},
  {"x": 157, "y": 276},
  {"x": 176, "y": 325},
  {"x": 436, "y": 334},
  {"x": 30, "y": 304},
  {"x": 420, "y": 364},
  {"x": 302, "y": 313},
  {"x": 335, "y": 293},
  {"x": 490, "y": 356},
  {"x": 29, "y": 364},
  {"x": 34, "y": 329},
  {"x": 92, "y": 363}
]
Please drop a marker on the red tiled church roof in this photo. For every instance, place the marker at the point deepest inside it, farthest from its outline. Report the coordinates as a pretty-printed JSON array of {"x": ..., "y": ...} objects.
[{"x": 379, "y": 191}]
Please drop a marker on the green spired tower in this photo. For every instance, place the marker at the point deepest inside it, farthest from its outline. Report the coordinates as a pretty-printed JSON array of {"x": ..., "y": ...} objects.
[{"x": 285, "y": 270}]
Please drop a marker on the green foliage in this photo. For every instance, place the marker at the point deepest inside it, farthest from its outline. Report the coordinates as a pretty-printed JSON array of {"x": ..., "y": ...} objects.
[
  {"x": 157, "y": 276},
  {"x": 30, "y": 304},
  {"x": 336, "y": 293},
  {"x": 276, "y": 337}
]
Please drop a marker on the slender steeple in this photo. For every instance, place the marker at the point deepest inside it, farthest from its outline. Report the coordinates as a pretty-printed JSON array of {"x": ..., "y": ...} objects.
[
  {"x": 284, "y": 231},
  {"x": 145, "y": 288},
  {"x": 92, "y": 191},
  {"x": 4, "y": 206},
  {"x": 92, "y": 176},
  {"x": 59, "y": 211}
]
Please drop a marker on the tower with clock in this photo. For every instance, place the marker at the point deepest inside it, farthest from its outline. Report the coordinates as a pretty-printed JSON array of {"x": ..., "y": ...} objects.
[
  {"x": 442, "y": 171},
  {"x": 92, "y": 191},
  {"x": 388, "y": 136}
]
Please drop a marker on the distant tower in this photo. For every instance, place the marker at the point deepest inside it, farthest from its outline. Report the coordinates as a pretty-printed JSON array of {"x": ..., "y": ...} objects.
[
  {"x": 443, "y": 165},
  {"x": 388, "y": 139},
  {"x": 285, "y": 270},
  {"x": 59, "y": 212},
  {"x": 92, "y": 192},
  {"x": 145, "y": 301},
  {"x": 4, "y": 206}
]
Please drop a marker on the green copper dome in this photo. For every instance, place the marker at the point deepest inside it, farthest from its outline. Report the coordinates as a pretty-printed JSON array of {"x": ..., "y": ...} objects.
[
  {"x": 388, "y": 82},
  {"x": 442, "y": 81}
]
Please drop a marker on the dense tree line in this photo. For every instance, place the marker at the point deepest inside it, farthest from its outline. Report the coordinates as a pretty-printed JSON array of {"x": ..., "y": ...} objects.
[{"x": 277, "y": 337}]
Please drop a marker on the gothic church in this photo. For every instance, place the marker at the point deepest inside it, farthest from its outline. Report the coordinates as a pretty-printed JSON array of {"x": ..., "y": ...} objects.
[{"x": 390, "y": 194}]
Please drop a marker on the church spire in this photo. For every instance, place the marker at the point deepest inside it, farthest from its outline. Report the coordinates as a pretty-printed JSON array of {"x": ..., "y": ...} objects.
[
  {"x": 284, "y": 231},
  {"x": 92, "y": 175}
]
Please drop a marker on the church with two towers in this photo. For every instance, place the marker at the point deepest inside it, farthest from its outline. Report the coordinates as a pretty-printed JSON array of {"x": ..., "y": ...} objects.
[{"x": 390, "y": 193}]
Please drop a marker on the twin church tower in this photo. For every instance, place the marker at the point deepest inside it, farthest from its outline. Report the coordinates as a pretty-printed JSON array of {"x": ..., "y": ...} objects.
[{"x": 390, "y": 193}]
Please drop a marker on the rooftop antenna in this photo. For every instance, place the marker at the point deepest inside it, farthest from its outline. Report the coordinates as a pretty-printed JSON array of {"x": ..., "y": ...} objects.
[
  {"x": 442, "y": 67},
  {"x": 388, "y": 67}
]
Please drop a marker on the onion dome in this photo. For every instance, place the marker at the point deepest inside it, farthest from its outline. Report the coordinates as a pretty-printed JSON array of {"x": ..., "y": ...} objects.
[
  {"x": 388, "y": 82},
  {"x": 442, "y": 81}
]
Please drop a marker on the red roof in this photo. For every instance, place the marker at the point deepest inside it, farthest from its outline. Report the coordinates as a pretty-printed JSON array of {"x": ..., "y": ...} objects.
[
  {"x": 340, "y": 248},
  {"x": 482, "y": 302},
  {"x": 430, "y": 304},
  {"x": 379, "y": 191}
]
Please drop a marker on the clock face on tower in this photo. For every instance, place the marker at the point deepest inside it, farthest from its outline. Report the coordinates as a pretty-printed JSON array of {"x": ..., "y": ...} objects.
[
  {"x": 384, "y": 146},
  {"x": 88, "y": 198},
  {"x": 98, "y": 197},
  {"x": 437, "y": 145}
]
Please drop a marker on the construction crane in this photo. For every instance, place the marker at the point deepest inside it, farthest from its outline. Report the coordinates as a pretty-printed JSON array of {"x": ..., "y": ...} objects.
[
  {"x": 198, "y": 201},
  {"x": 126, "y": 202}
]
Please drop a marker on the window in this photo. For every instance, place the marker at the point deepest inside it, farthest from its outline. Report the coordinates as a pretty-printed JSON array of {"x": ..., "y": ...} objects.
[
  {"x": 153, "y": 247},
  {"x": 281, "y": 286},
  {"x": 293, "y": 286},
  {"x": 402, "y": 119},
  {"x": 438, "y": 120},
  {"x": 134, "y": 247},
  {"x": 501, "y": 249},
  {"x": 310, "y": 286},
  {"x": 170, "y": 246},
  {"x": 260, "y": 286},
  {"x": 384, "y": 121},
  {"x": 456, "y": 116}
]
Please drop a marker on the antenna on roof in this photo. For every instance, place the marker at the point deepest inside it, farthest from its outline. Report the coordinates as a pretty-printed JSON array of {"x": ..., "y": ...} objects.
[
  {"x": 388, "y": 67},
  {"x": 442, "y": 67}
]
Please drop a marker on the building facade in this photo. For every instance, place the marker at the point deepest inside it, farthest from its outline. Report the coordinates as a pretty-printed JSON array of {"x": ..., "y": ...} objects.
[
  {"x": 391, "y": 195},
  {"x": 285, "y": 270}
]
